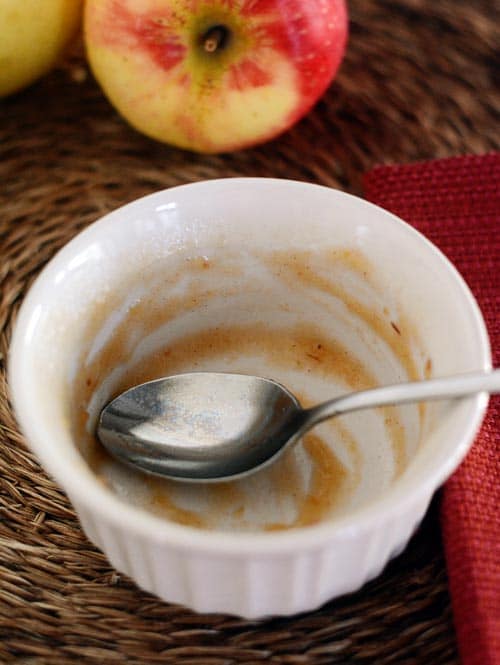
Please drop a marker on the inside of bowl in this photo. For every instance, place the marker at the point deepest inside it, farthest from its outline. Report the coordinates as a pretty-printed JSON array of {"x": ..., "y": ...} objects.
[{"x": 316, "y": 321}]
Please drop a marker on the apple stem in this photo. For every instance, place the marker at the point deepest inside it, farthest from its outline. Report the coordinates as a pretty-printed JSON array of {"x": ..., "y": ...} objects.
[{"x": 215, "y": 38}]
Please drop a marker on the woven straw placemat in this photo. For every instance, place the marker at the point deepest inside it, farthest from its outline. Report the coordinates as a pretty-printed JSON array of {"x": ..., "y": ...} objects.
[{"x": 417, "y": 83}]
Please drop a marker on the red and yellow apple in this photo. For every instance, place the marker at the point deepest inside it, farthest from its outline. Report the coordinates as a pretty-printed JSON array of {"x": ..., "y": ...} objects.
[
  {"x": 33, "y": 35},
  {"x": 214, "y": 75}
]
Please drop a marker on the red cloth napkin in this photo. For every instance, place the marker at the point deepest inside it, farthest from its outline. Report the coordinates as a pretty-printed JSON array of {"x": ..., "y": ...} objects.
[{"x": 456, "y": 204}]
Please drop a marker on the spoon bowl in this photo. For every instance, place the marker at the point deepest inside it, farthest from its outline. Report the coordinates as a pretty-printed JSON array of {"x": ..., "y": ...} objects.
[
  {"x": 200, "y": 426},
  {"x": 208, "y": 426}
]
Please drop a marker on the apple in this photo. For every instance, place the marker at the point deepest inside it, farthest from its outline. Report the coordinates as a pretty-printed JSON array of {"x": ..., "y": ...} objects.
[
  {"x": 214, "y": 75},
  {"x": 33, "y": 35}
]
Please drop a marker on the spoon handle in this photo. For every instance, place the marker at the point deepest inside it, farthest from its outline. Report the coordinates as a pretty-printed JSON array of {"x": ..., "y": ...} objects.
[{"x": 418, "y": 391}]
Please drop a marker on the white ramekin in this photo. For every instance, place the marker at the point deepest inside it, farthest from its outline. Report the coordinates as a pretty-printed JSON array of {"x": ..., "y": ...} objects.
[{"x": 261, "y": 574}]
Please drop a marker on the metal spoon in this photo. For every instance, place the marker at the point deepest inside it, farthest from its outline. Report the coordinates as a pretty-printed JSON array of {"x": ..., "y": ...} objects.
[{"x": 209, "y": 426}]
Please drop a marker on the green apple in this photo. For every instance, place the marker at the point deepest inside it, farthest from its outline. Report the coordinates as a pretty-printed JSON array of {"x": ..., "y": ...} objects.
[
  {"x": 214, "y": 75},
  {"x": 33, "y": 35}
]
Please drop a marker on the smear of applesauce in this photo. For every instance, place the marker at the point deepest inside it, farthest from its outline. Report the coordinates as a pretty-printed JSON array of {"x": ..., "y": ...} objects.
[
  {"x": 298, "y": 268},
  {"x": 303, "y": 347}
]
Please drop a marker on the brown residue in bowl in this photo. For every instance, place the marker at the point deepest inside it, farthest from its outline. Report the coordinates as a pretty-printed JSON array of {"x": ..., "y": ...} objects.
[
  {"x": 312, "y": 503},
  {"x": 299, "y": 269},
  {"x": 163, "y": 505},
  {"x": 327, "y": 485}
]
